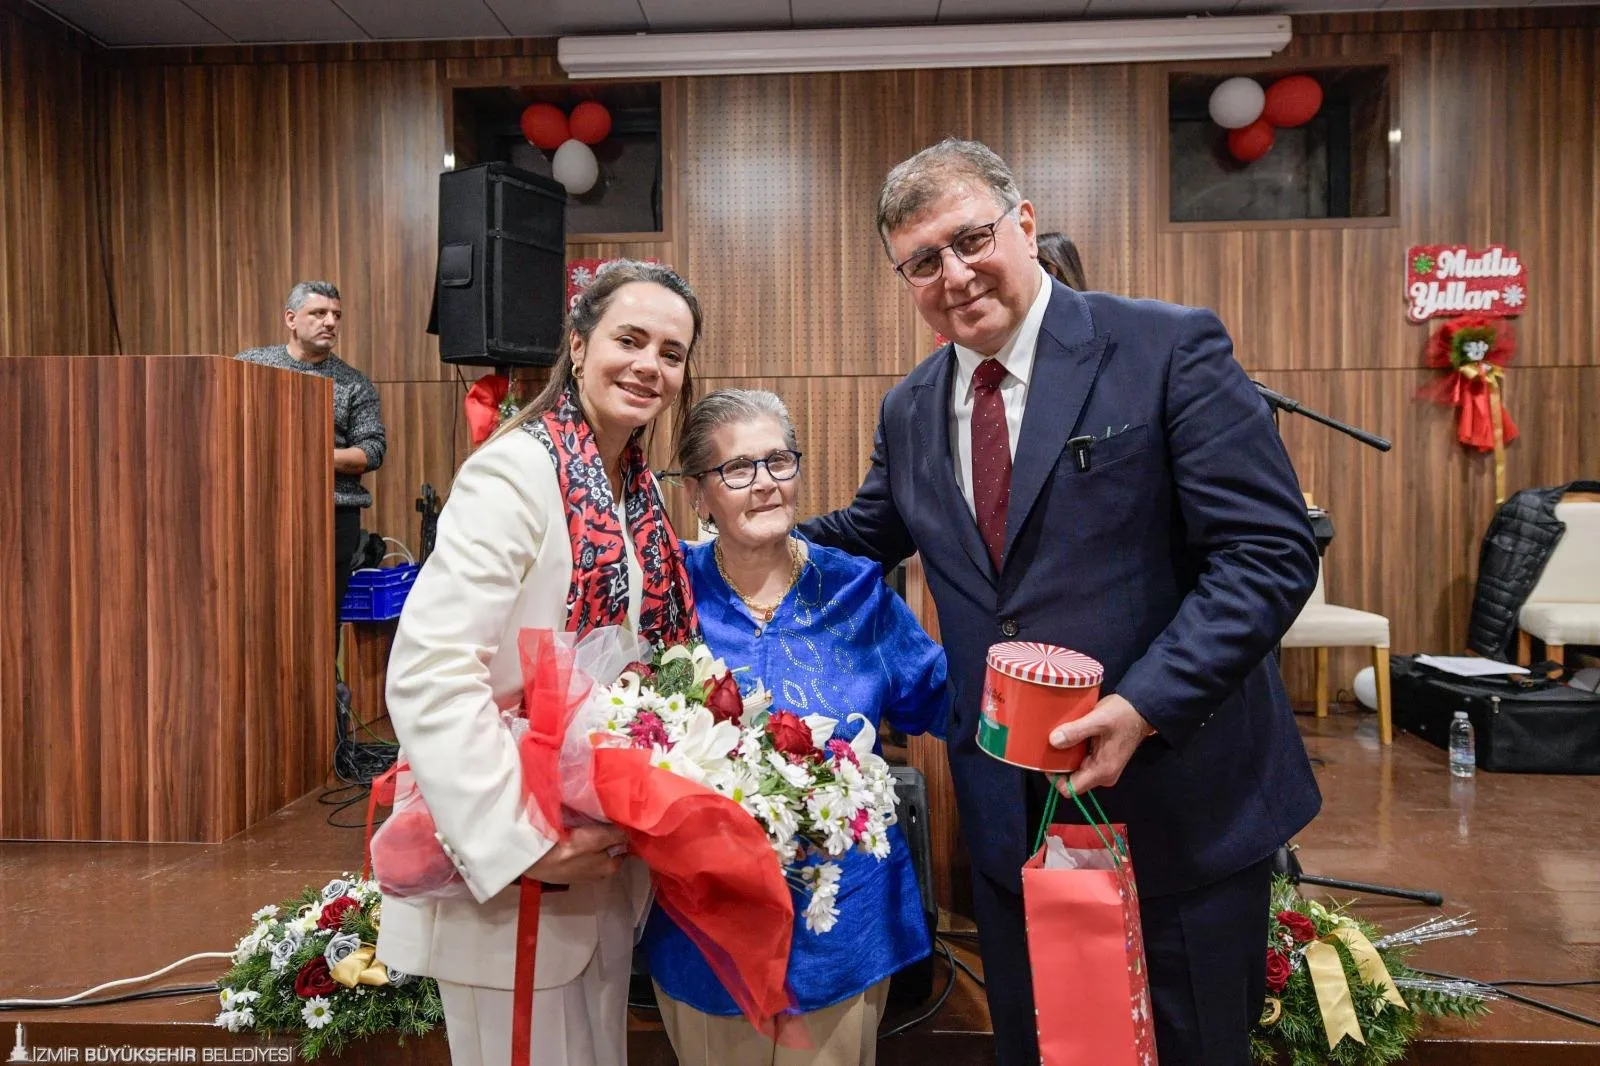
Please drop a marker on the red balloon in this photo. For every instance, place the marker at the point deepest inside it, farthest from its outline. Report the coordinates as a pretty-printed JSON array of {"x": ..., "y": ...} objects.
[
  {"x": 590, "y": 122},
  {"x": 1249, "y": 143},
  {"x": 1292, "y": 101},
  {"x": 545, "y": 126}
]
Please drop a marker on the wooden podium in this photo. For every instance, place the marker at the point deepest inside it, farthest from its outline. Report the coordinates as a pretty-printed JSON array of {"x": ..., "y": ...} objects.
[{"x": 166, "y": 599}]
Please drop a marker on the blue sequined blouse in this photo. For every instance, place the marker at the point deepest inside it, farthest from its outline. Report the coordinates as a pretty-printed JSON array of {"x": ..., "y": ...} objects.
[{"x": 840, "y": 643}]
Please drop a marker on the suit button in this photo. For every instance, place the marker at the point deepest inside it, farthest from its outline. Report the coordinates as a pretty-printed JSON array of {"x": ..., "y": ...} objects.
[{"x": 1009, "y": 628}]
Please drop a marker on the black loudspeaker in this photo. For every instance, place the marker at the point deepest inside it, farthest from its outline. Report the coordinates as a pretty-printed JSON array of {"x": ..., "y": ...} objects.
[
  {"x": 500, "y": 293},
  {"x": 914, "y": 984}
]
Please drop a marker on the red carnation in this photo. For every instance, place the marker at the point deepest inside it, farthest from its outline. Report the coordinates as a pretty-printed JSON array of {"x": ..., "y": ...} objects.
[
  {"x": 1278, "y": 970},
  {"x": 642, "y": 669},
  {"x": 314, "y": 979},
  {"x": 791, "y": 736},
  {"x": 1298, "y": 926},
  {"x": 647, "y": 730},
  {"x": 723, "y": 699},
  {"x": 843, "y": 752},
  {"x": 333, "y": 912}
]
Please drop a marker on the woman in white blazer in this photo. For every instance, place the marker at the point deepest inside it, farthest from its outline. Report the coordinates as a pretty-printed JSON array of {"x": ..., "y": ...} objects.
[{"x": 532, "y": 537}]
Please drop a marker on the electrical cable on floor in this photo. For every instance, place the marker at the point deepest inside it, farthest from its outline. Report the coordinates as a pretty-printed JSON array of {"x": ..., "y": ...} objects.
[
  {"x": 68, "y": 1001},
  {"x": 1517, "y": 997},
  {"x": 938, "y": 1004},
  {"x": 127, "y": 997}
]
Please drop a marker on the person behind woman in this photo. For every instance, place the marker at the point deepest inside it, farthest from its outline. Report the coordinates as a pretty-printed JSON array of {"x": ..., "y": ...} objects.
[
  {"x": 827, "y": 637},
  {"x": 1060, "y": 259},
  {"x": 556, "y": 522}
]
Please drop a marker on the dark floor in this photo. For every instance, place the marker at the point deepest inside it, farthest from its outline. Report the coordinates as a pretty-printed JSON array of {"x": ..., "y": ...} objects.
[{"x": 1518, "y": 851}]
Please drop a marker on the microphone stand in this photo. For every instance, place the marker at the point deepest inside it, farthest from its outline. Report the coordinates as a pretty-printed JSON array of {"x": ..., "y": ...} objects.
[{"x": 1284, "y": 862}]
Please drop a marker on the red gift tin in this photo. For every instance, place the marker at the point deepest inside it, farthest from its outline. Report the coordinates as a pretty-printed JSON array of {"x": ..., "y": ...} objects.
[{"x": 1028, "y": 690}]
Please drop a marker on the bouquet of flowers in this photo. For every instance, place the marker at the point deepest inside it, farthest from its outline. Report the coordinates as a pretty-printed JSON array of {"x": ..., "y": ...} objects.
[
  {"x": 817, "y": 796},
  {"x": 1339, "y": 991},
  {"x": 308, "y": 967}
]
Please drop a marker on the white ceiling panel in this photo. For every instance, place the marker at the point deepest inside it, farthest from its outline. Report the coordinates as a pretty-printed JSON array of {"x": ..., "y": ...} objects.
[
  {"x": 417, "y": 20},
  {"x": 993, "y": 10},
  {"x": 815, "y": 13},
  {"x": 685, "y": 15},
  {"x": 146, "y": 22},
  {"x": 278, "y": 21},
  {"x": 553, "y": 18}
]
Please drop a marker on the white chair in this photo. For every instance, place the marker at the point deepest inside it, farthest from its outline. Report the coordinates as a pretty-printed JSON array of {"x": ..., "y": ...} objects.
[
  {"x": 1564, "y": 606},
  {"x": 1323, "y": 625}
]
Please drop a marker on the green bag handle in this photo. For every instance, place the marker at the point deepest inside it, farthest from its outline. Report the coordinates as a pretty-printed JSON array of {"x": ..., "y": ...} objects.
[{"x": 1118, "y": 850}]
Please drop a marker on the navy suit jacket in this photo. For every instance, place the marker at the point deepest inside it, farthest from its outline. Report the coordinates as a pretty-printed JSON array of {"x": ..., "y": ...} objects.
[{"x": 1177, "y": 559}]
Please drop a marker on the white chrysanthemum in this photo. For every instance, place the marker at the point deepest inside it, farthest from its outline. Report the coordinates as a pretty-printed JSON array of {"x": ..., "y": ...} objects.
[
  {"x": 235, "y": 1021},
  {"x": 737, "y": 781},
  {"x": 245, "y": 997},
  {"x": 248, "y": 945},
  {"x": 875, "y": 842},
  {"x": 823, "y": 882},
  {"x": 269, "y": 911},
  {"x": 317, "y": 1012}
]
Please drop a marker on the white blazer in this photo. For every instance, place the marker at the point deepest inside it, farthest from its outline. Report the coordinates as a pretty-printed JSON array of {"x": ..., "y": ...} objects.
[{"x": 502, "y": 561}]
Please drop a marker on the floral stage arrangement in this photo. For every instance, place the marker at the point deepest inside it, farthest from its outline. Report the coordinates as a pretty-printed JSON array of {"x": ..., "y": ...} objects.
[
  {"x": 816, "y": 795},
  {"x": 308, "y": 969},
  {"x": 1339, "y": 990}
]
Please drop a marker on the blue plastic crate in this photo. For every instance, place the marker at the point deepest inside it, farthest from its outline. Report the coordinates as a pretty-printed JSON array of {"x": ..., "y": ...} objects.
[{"x": 378, "y": 595}]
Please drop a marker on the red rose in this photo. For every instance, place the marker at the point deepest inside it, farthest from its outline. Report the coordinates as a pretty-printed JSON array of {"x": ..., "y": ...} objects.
[
  {"x": 333, "y": 912},
  {"x": 1298, "y": 926},
  {"x": 723, "y": 699},
  {"x": 314, "y": 979},
  {"x": 790, "y": 735},
  {"x": 1278, "y": 970}
]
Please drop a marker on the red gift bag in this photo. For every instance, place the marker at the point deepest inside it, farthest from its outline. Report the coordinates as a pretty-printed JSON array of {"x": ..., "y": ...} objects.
[{"x": 1090, "y": 989}]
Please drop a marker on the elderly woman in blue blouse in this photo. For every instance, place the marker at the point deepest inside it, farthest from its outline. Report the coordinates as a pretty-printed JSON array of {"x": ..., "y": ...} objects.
[{"x": 827, "y": 637}]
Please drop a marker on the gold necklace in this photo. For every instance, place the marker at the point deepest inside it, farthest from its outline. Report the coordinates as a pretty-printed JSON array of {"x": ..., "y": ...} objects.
[{"x": 763, "y": 611}]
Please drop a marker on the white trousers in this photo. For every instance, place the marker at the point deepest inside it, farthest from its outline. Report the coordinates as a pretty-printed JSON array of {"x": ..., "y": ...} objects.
[{"x": 581, "y": 1023}]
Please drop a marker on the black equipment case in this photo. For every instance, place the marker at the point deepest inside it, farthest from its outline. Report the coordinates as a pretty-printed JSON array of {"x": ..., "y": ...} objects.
[{"x": 1521, "y": 724}]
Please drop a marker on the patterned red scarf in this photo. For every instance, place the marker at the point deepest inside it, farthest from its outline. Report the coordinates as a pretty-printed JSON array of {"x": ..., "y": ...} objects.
[{"x": 598, "y": 595}]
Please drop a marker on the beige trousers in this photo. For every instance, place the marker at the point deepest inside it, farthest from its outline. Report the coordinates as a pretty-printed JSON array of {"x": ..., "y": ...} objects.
[
  {"x": 845, "y": 1034},
  {"x": 581, "y": 1023}
]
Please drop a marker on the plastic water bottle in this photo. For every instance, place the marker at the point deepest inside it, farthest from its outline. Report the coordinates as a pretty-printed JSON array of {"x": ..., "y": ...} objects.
[{"x": 1463, "y": 758}]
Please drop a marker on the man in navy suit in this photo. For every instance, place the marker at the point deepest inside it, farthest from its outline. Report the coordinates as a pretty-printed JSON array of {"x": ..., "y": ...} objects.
[{"x": 1098, "y": 473}]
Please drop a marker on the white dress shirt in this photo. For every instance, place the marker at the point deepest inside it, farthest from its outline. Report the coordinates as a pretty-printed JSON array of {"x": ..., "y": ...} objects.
[{"x": 1017, "y": 357}]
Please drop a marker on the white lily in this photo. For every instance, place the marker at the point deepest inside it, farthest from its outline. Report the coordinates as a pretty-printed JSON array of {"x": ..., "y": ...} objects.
[
  {"x": 821, "y": 727},
  {"x": 865, "y": 737},
  {"x": 706, "y": 742},
  {"x": 754, "y": 704}
]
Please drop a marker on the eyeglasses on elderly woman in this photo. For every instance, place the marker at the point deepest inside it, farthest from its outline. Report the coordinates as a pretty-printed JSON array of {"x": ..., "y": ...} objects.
[{"x": 740, "y": 473}]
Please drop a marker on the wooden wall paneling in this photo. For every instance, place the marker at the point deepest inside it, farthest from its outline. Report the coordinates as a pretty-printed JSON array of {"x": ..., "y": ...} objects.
[
  {"x": 780, "y": 181},
  {"x": 52, "y": 286},
  {"x": 1550, "y": 191},
  {"x": 255, "y": 248},
  {"x": 428, "y": 441},
  {"x": 1076, "y": 139},
  {"x": 109, "y": 454}
]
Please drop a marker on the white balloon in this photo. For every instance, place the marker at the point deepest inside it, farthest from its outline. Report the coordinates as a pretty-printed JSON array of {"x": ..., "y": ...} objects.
[
  {"x": 575, "y": 166},
  {"x": 1366, "y": 686},
  {"x": 1237, "y": 102}
]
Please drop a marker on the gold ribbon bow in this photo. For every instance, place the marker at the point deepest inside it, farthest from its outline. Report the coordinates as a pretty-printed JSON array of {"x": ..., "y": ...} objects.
[
  {"x": 1333, "y": 991},
  {"x": 360, "y": 967},
  {"x": 1492, "y": 376}
]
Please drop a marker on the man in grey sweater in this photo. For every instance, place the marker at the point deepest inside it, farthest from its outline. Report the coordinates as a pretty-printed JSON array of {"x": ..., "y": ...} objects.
[{"x": 312, "y": 314}]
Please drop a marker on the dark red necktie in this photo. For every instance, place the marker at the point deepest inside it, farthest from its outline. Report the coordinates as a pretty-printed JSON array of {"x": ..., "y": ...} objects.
[{"x": 991, "y": 456}]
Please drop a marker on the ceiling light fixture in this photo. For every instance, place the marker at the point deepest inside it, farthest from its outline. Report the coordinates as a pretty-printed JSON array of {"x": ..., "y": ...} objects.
[{"x": 1015, "y": 44}]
